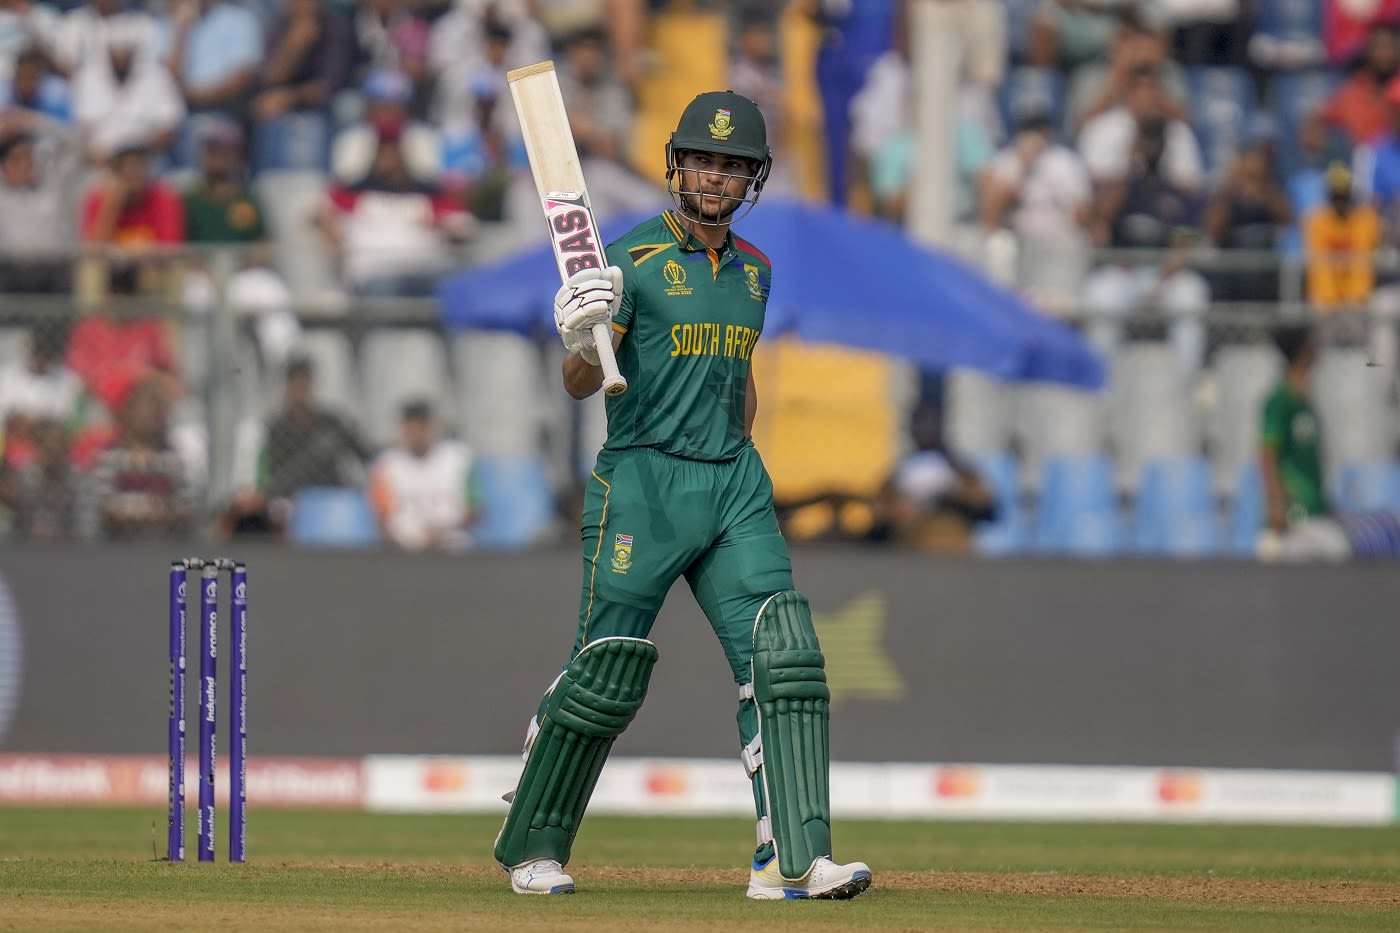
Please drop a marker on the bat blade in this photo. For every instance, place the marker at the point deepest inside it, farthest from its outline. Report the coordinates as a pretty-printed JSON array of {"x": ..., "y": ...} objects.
[{"x": 554, "y": 163}]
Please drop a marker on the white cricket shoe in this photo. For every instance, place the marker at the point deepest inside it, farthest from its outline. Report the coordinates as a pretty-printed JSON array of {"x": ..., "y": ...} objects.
[
  {"x": 541, "y": 876},
  {"x": 825, "y": 880}
]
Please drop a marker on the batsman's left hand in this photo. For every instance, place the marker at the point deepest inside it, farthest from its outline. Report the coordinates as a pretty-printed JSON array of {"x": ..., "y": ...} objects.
[{"x": 589, "y": 297}]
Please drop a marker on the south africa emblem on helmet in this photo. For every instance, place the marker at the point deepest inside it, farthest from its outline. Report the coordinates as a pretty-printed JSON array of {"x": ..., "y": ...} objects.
[
  {"x": 721, "y": 128},
  {"x": 622, "y": 554}
]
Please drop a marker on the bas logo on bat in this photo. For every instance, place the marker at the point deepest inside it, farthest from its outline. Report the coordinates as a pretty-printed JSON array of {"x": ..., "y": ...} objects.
[{"x": 571, "y": 226}]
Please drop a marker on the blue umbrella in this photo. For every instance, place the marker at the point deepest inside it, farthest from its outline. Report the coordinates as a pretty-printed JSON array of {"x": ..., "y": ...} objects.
[{"x": 837, "y": 278}]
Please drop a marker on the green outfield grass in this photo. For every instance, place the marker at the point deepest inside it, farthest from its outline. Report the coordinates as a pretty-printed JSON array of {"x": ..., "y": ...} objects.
[{"x": 84, "y": 869}]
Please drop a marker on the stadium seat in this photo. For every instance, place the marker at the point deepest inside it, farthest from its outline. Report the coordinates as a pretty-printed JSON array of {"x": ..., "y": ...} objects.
[
  {"x": 517, "y": 504},
  {"x": 1247, "y": 511},
  {"x": 1174, "y": 514},
  {"x": 14, "y": 346},
  {"x": 332, "y": 517},
  {"x": 1078, "y": 508},
  {"x": 249, "y": 439},
  {"x": 257, "y": 394},
  {"x": 293, "y": 141},
  {"x": 1244, "y": 376},
  {"x": 334, "y": 383},
  {"x": 1292, "y": 97},
  {"x": 290, "y": 199},
  {"x": 1019, "y": 16},
  {"x": 1307, "y": 189},
  {"x": 1352, "y": 404},
  {"x": 977, "y": 408},
  {"x": 1288, "y": 20},
  {"x": 1292, "y": 24},
  {"x": 1055, "y": 421},
  {"x": 1051, "y": 271},
  {"x": 499, "y": 381},
  {"x": 1151, "y": 413},
  {"x": 1372, "y": 534},
  {"x": 1006, "y": 534},
  {"x": 1369, "y": 486},
  {"x": 400, "y": 364},
  {"x": 1222, "y": 102}
]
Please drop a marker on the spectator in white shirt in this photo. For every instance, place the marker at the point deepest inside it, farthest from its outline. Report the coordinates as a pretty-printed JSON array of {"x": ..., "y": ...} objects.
[
  {"x": 1034, "y": 207},
  {"x": 24, "y": 24},
  {"x": 457, "y": 55},
  {"x": 387, "y": 98},
  {"x": 1107, "y": 141},
  {"x": 1035, "y": 185},
  {"x": 422, "y": 488},
  {"x": 392, "y": 234},
  {"x": 43, "y": 388},
  {"x": 125, "y": 97},
  {"x": 84, "y": 33},
  {"x": 39, "y": 171}
]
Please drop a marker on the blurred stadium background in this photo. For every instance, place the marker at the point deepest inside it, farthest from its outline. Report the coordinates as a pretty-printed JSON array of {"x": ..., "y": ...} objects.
[
  {"x": 257, "y": 231},
  {"x": 222, "y": 227}
]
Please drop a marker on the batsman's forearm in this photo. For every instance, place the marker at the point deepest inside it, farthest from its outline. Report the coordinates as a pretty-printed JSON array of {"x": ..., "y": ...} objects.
[{"x": 581, "y": 378}]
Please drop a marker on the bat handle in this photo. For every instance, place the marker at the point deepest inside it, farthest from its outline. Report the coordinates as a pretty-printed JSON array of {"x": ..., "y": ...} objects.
[{"x": 613, "y": 381}]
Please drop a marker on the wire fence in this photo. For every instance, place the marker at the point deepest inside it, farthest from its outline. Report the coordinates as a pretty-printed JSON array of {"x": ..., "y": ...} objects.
[{"x": 172, "y": 397}]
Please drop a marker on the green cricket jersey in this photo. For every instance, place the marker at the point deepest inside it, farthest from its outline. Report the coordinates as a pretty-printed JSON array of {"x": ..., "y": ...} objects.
[
  {"x": 691, "y": 316},
  {"x": 1290, "y": 426}
]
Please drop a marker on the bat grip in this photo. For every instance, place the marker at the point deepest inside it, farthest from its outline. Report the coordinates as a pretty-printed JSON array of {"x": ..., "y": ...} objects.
[{"x": 613, "y": 381}]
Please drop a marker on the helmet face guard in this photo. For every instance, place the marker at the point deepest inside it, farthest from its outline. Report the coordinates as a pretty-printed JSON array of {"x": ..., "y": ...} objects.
[
  {"x": 723, "y": 124},
  {"x": 732, "y": 207}
]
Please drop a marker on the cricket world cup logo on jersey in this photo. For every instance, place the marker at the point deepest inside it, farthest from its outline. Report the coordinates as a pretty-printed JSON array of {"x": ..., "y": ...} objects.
[
  {"x": 721, "y": 128},
  {"x": 622, "y": 554},
  {"x": 674, "y": 274}
]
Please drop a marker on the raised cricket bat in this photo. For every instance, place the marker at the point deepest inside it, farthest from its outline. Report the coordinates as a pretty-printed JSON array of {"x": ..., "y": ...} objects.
[{"x": 573, "y": 231}]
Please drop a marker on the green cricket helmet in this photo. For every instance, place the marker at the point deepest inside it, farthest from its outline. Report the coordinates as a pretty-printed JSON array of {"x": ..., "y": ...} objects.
[{"x": 726, "y": 123}]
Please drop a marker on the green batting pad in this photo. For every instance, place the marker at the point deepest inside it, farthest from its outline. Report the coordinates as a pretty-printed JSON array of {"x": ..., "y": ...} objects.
[
  {"x": 588, "y": 709},
  {"x": 789, "y": 686}
]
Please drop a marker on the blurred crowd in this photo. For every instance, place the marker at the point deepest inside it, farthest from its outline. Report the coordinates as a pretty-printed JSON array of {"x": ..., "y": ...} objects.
[
  {"x": 132, "y": 134},
  {"x": 1119, "y": 160}
]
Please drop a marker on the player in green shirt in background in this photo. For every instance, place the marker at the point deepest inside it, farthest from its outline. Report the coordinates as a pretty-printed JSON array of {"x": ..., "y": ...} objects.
[
  {"x": 680, "y": 491},
  {"x": 1290, "y": 456}
]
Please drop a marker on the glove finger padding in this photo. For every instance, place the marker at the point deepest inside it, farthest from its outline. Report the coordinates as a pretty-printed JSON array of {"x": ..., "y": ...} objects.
[
  {"x": 586, "y": 313},
  {"x": 582, "y": 343},
  {"x": 589, "y": 297},
  {"x": 595, "y": 283}
]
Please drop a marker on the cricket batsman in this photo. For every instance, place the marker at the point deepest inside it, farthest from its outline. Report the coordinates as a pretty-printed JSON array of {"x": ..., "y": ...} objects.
[{"x": 679, "y": 490}]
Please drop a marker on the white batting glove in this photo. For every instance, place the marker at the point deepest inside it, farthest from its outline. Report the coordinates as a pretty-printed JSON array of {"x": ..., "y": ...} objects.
[{"x": 590, "y": 296}]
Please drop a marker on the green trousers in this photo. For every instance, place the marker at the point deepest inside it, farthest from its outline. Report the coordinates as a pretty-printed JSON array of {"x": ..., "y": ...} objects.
[{"x": 650, "y": 518}]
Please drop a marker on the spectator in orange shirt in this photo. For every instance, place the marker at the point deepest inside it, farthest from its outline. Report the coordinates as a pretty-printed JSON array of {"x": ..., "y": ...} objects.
[
  {"x": 1341, "y": 237},
  {"x": 133, "y": 215}
]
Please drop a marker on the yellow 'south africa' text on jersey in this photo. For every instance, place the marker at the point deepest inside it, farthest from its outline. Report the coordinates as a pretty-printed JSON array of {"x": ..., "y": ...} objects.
[{"x": 691, "y": 317}]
